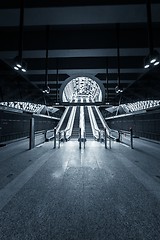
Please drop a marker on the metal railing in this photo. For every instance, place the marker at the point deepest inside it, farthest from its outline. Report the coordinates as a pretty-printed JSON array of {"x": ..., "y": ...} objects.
[
  {"x": 62, "y": 119},
  {"x": 124, "y": 134},
  {"x": 49, "y": 134},
  {"x": 95, "y": 129},
  {"x": 82, "y": 138},
  {"x": 68, "y": 130},
  {"x": 111, "y": 132},
  {"x": 107, "y": 139}
]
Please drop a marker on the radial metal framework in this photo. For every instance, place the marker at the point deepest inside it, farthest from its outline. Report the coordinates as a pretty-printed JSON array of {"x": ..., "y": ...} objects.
[{"x": 82, "y": 89}]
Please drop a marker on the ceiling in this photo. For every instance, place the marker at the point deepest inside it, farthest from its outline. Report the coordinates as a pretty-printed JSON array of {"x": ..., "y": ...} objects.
[{"x": 82, "y": 41}]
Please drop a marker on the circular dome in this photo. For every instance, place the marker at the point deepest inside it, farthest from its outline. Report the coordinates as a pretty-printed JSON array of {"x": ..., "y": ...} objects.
[{"x": 82, "y": 89}]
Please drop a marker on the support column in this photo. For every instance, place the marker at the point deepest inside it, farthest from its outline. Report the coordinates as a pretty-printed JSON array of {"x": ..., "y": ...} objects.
[{"x": 31, "y": 134}]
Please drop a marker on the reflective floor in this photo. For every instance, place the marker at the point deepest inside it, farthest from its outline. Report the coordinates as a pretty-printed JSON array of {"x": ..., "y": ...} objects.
[{"x": 70, "y": 193}]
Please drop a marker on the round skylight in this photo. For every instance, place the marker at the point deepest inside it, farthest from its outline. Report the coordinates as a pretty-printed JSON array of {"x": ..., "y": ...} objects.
[{"x": 82, "y": 89}]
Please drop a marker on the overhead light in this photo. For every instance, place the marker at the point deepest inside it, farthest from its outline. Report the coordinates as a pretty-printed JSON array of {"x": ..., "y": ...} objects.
[
  {"x": 153, "y": 59},
  {"x": 154, "y": 56},
  {"x": 147, "y": 62},
  {"x": 23, "y": 70},
  {"x": 146, "y": 65},
  {"x": 156, "y": 63},
  {"x": 16, "y": 68},
  {"x": 24, "y": 66},
  {"x": 46, "y": 89},
  {"x": 20, "y": 65},
  {"x": 118, "y": 90}
]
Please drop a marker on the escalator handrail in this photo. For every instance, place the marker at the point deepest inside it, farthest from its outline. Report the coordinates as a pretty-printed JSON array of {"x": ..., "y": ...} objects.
[
  {"x": 106, "y": 127},
  {"x": 61, "y": 120},
  {"x": 96, "y": 129},
  {"x": 71, "y": 121}
]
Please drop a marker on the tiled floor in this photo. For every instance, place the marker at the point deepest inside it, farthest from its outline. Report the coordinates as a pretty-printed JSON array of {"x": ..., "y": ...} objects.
[{"x": 70, "y": 193}]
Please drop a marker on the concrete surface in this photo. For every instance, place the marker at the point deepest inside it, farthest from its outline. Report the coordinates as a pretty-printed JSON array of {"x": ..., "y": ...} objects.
[{"x": 72, "y": 194}]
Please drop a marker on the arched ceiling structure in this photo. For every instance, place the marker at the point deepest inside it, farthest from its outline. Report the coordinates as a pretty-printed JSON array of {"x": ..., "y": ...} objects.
[{"x": 82, "y": 89}]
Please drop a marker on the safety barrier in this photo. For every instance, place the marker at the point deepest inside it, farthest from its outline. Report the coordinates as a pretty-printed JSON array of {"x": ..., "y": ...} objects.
[
  {"x": 123, "y": 137},
  {"x": 49, "y": 135},
  {"x": 58, "y": 138},
  {"x": 40, "y": 137}
]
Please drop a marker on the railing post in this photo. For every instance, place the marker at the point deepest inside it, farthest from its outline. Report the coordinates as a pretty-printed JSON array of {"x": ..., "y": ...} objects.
[
  {"x": 109, "y": 142},
  {"x": 80, "y": 138},
  {"x": 131, "y": 136},
  {"x": 59, "y": 138},
  {"x": 31, "y": 134},
  {"x": 105, "y": 139},
  {"x": 84, "y": 139},
  {"x": 65, "y": 136},
  {"x": 45, "y": 135},
  {"x": 109, "y": 139},
  {"x": 119, "y": 136},
  {"x": 54, "y": 138},
  {"x": 99, "y": 135}
]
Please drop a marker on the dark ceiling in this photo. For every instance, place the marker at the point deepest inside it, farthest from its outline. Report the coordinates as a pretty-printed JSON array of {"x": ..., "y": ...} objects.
[{"x": 82, "y": 41}]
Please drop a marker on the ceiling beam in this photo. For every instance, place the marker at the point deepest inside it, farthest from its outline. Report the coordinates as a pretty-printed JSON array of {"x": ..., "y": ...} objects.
[
  {"x": 70, "y": 53},
  {"x": 79, "y": 15},
  {"x": 86, "y": 71}
]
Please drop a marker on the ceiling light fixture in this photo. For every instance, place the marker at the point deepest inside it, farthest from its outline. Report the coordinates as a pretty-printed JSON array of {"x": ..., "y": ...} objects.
[
  {"x": 153, "y": 58},
  {"x": 117, "y": 88},
  {"x": 20, "y": 64},
  {"x": 46, "y": 88},
  {"x": 107, "y": 92},
  {"x": 57, "y": 80},
  {"x": 147, "y": 62}
]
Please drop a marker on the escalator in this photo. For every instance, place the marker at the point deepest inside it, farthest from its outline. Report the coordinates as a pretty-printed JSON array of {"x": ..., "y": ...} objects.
[
  {"x": 75, "y": 131},
  {"x": 87, "y": 124},
  {"x": 64, "y": 124},
  {"x": 88, "y": 129},
  {"x": 98, "y": 120}
]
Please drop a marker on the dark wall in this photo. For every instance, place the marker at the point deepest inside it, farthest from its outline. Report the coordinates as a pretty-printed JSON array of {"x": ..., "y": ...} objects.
[
  {"x": 17, "y": 125},
  {"x": 42, "y": 123},
  {"x": 145, "y": 125}
]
